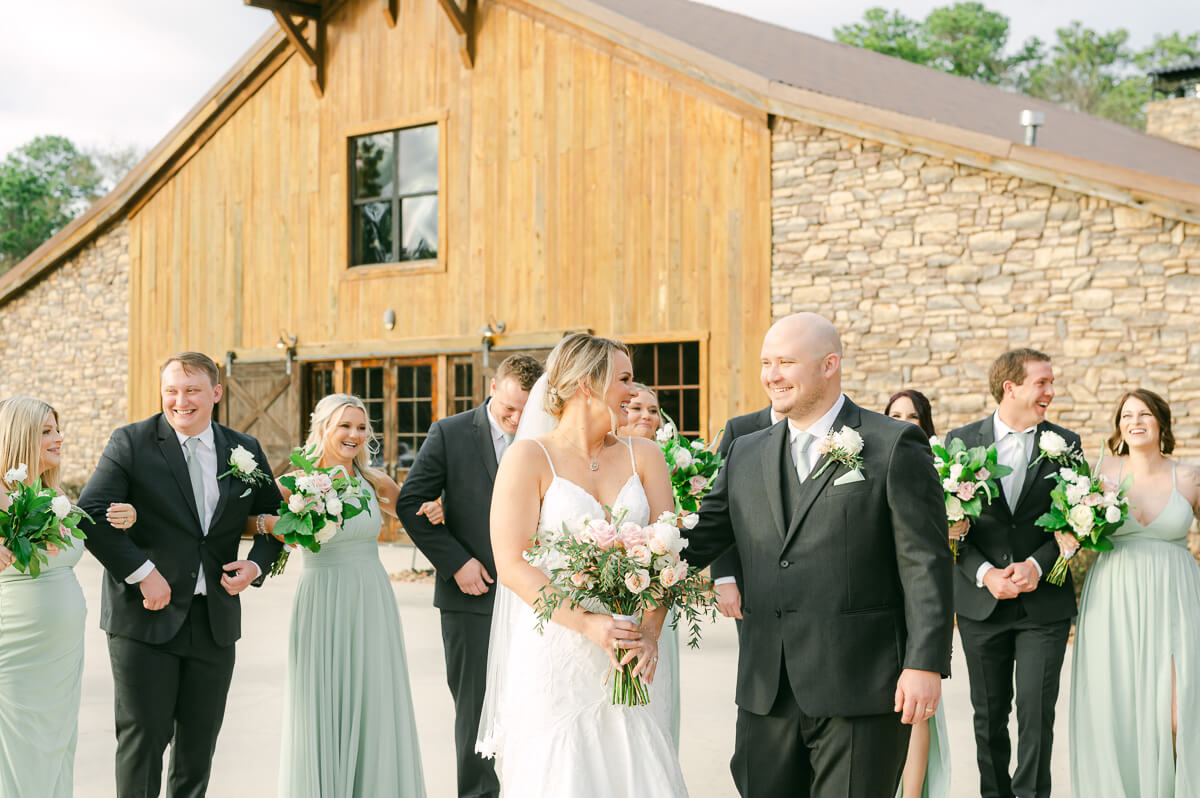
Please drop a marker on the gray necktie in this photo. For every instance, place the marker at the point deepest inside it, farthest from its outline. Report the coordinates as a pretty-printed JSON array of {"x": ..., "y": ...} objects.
[
  {"x": 1019, "y": 466},
  {"x": 506, "y": 442},
  {"x": 800, "y": 446},
  {"x": 196, "y": 474}
]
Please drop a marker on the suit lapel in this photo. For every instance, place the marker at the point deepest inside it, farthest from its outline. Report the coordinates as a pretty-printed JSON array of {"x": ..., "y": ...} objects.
[
  {"x": 226, "y": 485},
  {"x": 1031, "y": 471},
  {"x": 812, "y": 487},
  {"x": 483, "y": 439},
  {"x": 773, "y": 453},
  {"x": 172, "y": 452}
]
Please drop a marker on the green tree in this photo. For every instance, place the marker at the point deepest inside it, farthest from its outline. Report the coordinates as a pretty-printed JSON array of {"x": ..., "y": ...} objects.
[
  {"x": 889, "y": 33},
  {"x": 43, "y": 186},
  {"x": 968, "y": 40}
]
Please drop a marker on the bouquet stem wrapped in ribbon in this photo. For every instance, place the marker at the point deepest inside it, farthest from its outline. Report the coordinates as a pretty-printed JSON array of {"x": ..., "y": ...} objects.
[
  {"x": 321, "y": 500},
  {"x": 969, "y": 479},
  {"x": 626, "y": 570},
  {"x": 37, "y": 519}
]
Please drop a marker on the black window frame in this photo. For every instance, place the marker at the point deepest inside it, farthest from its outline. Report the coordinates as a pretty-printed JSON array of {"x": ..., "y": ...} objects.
[{"x": 396, "y": 198}]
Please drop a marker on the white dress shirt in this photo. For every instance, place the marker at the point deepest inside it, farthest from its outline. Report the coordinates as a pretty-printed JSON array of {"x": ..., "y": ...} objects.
[
  {"x": 818, "y": 430},
  {"x": 206, "y": 453},
  {"x": 1007, "y": 454},
  {"x": 499, "y": 436}
]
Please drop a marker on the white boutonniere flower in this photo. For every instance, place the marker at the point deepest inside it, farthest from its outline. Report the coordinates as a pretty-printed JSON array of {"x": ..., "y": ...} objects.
[
  {"x": 244, "y": 467},
  {"x": 845, "y": 447},
  {"x": 1054, "y": 447}
]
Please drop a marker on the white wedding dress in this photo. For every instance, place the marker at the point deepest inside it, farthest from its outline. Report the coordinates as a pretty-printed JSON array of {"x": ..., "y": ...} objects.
[{"x": 548, "y": 718}]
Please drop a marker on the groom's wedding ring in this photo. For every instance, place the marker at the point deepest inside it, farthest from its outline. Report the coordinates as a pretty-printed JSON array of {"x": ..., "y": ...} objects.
[{"x": 929, "y": 710}]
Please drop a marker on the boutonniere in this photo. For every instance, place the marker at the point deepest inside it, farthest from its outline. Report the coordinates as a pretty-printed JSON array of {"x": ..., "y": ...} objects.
[
  {"x": 243, "y": 466},
  {"x": 1054, "y": 447},
  {"x": 844, "y": 446}
]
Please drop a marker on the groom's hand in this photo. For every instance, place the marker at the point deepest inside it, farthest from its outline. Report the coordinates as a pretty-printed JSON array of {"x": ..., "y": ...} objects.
[
  {"x": 1000, "y": 584},
  {"x": 473, "y": 579},
  {"x": 156, "y": 593},
  {"x": 729, "y": 600},
  {"x": 917, "y": 695},
  {"x": 243, "y": 573}
]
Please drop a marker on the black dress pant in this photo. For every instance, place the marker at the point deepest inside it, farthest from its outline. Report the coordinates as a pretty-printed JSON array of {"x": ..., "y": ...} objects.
[
  {"x": 1008, "y": 643},
  {"x": 788, "y": 754},
  {"x": 465, "y": 640},
  {"x": 170, "y": 693}
]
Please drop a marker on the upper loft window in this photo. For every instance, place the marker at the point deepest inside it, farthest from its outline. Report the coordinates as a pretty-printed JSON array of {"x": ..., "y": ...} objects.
[{"x": 394, "y": 196}]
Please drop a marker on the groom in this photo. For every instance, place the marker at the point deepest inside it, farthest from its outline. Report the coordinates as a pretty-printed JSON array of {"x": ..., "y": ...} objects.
[
  {"x": 170, "y": 597},
  {"x": 1010, "y": 620},
  {"x": 458, "y": 462},
  {"x": 846, "y": 615}
]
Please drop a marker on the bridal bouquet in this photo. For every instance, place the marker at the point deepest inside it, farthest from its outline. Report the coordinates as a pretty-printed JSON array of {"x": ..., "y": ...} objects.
[
  {"x": 322, "y": 499},
  {"x": 692, "y": 464},
  {"x": 969, "y": 479},
  {"x": 626, "y": 569},
  {"x": 37, "y": 519},
  {"x": 1087, "y": 507}
]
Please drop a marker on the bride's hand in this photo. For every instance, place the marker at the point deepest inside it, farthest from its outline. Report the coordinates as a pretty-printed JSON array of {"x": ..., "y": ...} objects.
[
  {"x": 612, "y": 635},
  {"x": 647, "y": 658}
]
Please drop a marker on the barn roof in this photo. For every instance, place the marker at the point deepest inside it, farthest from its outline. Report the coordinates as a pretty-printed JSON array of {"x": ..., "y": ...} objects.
[{"x": 781, "y": 71}]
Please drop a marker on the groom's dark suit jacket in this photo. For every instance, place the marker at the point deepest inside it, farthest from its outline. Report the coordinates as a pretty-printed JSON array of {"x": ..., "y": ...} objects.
[
  {"x": 847, "y": 585},
  {"x": 1001, "y": 536},
  {"x": 457, "y": 461},
  {"x": 728, "y": 563},
  {"x": 144, "y": 465}
]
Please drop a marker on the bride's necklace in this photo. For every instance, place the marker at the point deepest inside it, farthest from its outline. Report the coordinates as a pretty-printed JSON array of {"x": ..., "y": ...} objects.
[{"x": 594, "y": 465}]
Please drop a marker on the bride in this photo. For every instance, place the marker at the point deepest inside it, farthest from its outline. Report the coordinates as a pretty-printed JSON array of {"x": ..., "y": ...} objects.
[{"x": 547, "y": 718}]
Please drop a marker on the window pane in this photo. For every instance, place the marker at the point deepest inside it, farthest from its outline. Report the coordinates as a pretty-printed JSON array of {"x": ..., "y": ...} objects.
[
  {"x": 374, "y": 166},
  {"x": 668, "y": 401},
  {"x": 643, "y": 364},
  {"x": 689, "y": 416},
  {"x": 419, "y": 159},
  {"x": 418, "y": 236},
  {"x": 367, "y": 383},
  {"x": 668, "y": 365},
  {"x": 373, "y": 232},
  {"x": 691, "y": 363}
]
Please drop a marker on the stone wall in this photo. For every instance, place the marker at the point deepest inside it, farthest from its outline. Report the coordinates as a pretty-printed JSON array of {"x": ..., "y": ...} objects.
[
  {"x": 1177, "y": 120},
  {"x": 931, "y": 269},
  {"x": 66, "y": 340}
]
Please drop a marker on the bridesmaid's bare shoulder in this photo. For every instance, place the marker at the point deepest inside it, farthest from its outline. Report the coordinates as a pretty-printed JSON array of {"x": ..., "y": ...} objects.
[{"x": 1187, "y": 479}]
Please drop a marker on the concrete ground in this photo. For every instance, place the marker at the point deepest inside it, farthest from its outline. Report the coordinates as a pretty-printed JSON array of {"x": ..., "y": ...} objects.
[{"x": 247, "y": 758}]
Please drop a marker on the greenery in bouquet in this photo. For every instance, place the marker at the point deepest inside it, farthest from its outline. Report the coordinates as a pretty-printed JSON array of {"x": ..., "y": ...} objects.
[
  {"x": 321, "y": 500},
  {"x": 625, "y": 569},
  {"x": 36, "y": 520},
  {"x": 693, "y": 466},
  {"x": 970, "y": 479},
  {"x": 1087, "y": 507}
]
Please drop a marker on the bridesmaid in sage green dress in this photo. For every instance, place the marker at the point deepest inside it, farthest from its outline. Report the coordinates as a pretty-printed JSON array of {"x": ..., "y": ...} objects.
[
  {"x": 1135, "y": 692},
  {"x": 41, "y": 626},
  {"x": 348, "y": 725}
]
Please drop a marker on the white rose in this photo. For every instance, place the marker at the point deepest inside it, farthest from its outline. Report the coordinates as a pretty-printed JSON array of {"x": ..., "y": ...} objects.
[
  {"x": 665, "y": 433},
  {"x": 304, "y": 485},
  {"x": 683, "y": 458},
  {"x": 241, "y": 459},
  {"x": 690, "y": 520},
  {"x": 668, "y": 536},
  {"x": 949, "y": 485},
  {"x": 1081, "y": 519},
  {"x": 333, "y": 505},
  {"x": 638, "y": 580},
  {"x": 297, "y": 503},
  {"x": 1068, "y": 474},
  {"x": 935, "y": 441},
  {"x": 61, "y": 506},
  {"x": 849, "y": 440},
  {"x": 641, "y": 555},
  {"x": 954, "y": 509},
  {"x": 1052, "y": 444},
  {"x": 15, "y": 475},
  {"x": 956, "y": 472},
  {"x": 1110, "y": 498},
  {"x": 322, "y": 482},
  {"x": 1075, "y": 493},
  {"x": 1113, "y": 514},
  {"x": 326, "y": 533},
  {"x": 697, "y": 445}
]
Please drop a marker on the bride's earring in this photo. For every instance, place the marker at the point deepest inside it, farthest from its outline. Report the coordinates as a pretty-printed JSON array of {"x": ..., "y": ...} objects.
[{"x": 589, "y": 401}]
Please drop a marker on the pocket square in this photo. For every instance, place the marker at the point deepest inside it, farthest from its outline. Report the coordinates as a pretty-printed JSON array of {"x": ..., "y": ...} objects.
[{"x": 851, "y": 476}]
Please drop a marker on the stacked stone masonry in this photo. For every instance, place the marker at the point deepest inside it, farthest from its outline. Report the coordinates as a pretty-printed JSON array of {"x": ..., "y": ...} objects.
[
  {"x": 1177, "y": 120},
  {"x": 930, "y": 269},
  {"x": 66, "y": 340}
]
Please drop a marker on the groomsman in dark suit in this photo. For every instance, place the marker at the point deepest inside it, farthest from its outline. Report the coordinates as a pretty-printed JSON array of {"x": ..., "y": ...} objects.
[
  {"x": 726, "y": 570},
  {"x": 1008, "y": 617},
  {"x": 457, "y": 463},
  {"x": 847, "y": 613},
  {"x": 170, "y": 596}
]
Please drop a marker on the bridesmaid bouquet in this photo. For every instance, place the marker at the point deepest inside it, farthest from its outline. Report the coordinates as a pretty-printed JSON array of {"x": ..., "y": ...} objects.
[
  {"x": 626, "y": 569},
  {"x": 693, "y": 466},
  {"x": 1086, "y": 507},
  {"x": 968, "y": 479},
  {"x": 322, "y": 499},
  {"x": 36, "y": 520}
]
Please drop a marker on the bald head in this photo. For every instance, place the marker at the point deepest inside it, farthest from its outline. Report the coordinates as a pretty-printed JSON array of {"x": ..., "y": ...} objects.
[{"x": 801, "y": 366}]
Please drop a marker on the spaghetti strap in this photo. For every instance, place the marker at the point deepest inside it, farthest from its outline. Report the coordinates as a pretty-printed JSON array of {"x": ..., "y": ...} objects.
[
  {"x": 632, "y": 458},
  {"x": 553, "y": 473},
  {"x": 1174, "y": 479}
]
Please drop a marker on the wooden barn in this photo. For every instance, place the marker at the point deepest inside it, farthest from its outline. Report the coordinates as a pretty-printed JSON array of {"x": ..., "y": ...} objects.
[{"x": 386, "y": 197}]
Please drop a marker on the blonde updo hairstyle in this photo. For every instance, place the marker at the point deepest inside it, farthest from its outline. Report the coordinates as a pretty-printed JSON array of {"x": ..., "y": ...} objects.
[
  {"x": 579, "y": 360},
  {"x": 326, "y": 414},
  {"x": 21, "y": 420}
]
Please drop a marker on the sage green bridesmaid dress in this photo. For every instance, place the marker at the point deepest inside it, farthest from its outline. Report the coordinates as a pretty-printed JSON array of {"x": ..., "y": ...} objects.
[
  {"x": 1139, "y": 614},
  {"x": 41, "y": 671},
  {"x": 348, "y": 724}
]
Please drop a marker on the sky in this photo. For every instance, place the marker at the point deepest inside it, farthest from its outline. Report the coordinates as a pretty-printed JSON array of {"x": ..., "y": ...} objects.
[{"x": 121, "y": 72}]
